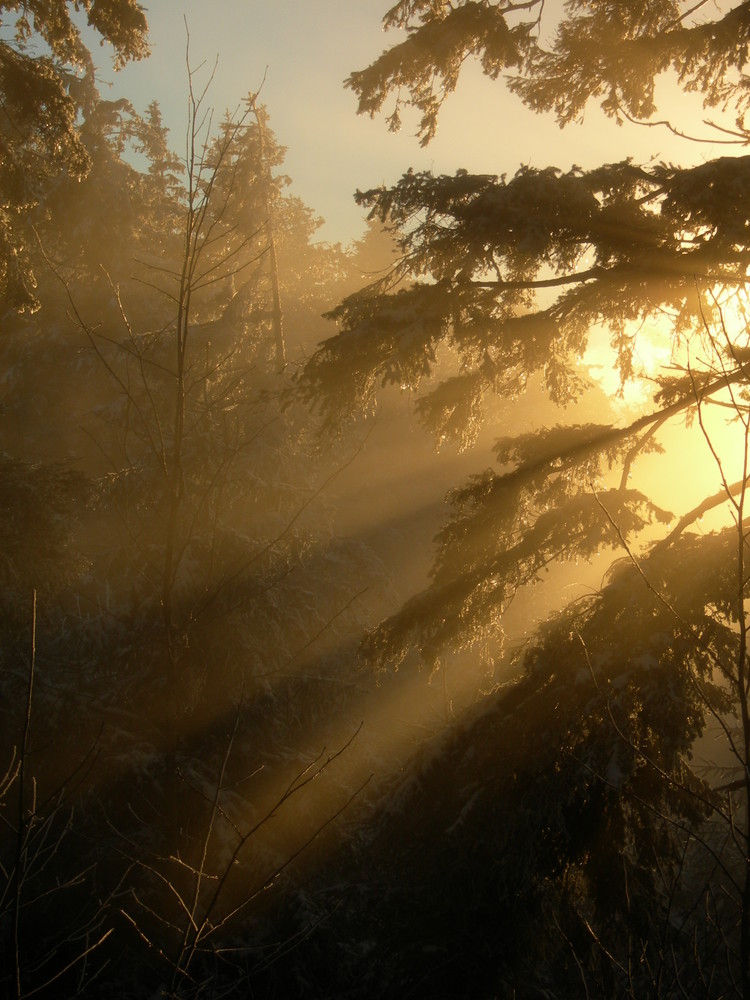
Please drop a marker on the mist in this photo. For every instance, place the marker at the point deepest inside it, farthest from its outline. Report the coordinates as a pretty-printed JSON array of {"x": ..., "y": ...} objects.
[{"x": 373, "y": 590}]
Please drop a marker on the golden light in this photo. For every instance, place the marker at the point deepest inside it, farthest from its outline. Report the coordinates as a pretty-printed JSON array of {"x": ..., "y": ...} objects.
[
  {"x": 706, "y": 445},
  {"x": 653, "y": 354}
]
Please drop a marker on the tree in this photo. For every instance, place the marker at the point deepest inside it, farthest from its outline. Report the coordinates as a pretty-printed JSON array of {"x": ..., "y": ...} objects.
[
  {"x": 502, "y": 283},
  {"x": 189, "y": 580},
  {"x": 43, "y": 96}
]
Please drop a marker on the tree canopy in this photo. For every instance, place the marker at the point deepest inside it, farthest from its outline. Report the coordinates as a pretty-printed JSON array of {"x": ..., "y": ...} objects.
[
  {"x": 510, "y": 278},
  {"x": 568, "y": 813},
  {"x": 170, "y": 586},
  {"x": 47, "y": 82},
  {"x": 503, "y": 284}
]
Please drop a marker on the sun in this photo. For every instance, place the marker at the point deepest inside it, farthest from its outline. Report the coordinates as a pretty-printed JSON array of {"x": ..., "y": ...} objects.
[
  {"x": 652, "y": 357},
  {"x": 706, "y": 446}
]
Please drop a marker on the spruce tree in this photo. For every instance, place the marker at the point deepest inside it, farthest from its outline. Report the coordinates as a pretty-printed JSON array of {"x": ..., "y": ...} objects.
[{"x": 570, "y": 794}]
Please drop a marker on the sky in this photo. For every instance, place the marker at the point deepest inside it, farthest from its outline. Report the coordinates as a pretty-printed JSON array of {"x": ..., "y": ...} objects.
[{"x": 305, "y": 49}]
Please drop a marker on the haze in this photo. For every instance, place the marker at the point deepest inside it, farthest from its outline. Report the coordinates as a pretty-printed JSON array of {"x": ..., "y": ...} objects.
[{"x": 374, "y": 572}]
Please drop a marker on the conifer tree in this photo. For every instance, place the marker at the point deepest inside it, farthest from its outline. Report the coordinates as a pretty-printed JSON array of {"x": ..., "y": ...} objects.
[
  {"x": 43, "y": 96},
  {"x": 581, "y": 791}
]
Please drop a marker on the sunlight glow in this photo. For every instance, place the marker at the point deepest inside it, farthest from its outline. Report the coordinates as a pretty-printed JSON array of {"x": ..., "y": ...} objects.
[
  {"x": 652, "y": 355},
  {"x": 706, "y": 446}
]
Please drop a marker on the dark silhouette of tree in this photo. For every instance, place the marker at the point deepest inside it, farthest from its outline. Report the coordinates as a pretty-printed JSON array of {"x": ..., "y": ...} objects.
[{"x": 581, "y": 813}]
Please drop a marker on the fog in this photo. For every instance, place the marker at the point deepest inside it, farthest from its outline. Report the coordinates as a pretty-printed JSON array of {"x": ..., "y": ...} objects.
[{"x": 373, "y": 579}]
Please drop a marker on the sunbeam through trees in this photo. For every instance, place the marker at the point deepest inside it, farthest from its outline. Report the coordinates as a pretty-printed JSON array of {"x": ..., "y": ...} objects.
[{"x": 373, "y": 615}]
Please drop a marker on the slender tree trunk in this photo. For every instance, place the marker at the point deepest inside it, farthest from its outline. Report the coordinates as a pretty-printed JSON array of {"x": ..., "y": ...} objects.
[
  {"x": 174, "y": 487},
  {"x": 22, "y": 822},
  {"x": 277, "y": 314},
  {"x": 743, "y": 687},
  {"x": 278, "y": 317}
]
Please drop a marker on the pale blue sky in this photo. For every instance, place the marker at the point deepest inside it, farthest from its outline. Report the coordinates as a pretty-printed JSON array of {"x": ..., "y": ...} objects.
[{"x": 309, "y": 47}]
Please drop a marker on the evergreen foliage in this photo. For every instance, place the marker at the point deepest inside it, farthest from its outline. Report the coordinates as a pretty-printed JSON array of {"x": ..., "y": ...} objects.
[
  {"x": 191, "y": 649},
  {"x": 183, "y": 664},
  {"x": 43, "y": 97},
  {"x": 566, "y": 824}
]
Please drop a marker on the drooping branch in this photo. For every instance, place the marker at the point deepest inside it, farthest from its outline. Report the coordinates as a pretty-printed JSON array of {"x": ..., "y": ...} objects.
[{"x": 567, "y": 457}]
